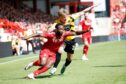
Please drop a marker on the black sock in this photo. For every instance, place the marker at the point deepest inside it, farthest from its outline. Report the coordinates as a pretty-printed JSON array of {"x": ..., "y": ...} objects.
[
  {"x": 67, "y": 62},
  {"x": 58, "y": 58}
]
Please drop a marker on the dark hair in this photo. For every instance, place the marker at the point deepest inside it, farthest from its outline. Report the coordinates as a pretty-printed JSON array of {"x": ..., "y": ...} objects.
[{"x": 57, "y": 25}]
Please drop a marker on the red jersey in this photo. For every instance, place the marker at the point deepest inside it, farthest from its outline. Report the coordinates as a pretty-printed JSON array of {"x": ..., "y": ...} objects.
[
  {"x": 86, "y": 24},
  {"x": 54, "y": 43}
]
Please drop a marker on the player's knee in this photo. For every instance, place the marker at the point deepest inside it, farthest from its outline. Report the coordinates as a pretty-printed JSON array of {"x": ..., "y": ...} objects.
[
  {"x": 86, "y": 42},
  {"x": 69, "y": 58},
  {"x": 43, "y": 63}
]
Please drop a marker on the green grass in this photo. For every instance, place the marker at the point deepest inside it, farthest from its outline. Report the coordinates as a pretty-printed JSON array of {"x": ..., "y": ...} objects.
[{"x": 106, "y": 65}]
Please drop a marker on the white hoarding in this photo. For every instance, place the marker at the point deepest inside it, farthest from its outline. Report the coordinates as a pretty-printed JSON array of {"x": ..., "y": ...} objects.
[{"x": 101, "y": 7}]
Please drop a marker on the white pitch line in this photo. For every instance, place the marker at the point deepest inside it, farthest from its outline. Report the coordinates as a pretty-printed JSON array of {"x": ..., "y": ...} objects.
[
  {"x": 26, "y": 58},
  {"x": 16, "y": 60}
]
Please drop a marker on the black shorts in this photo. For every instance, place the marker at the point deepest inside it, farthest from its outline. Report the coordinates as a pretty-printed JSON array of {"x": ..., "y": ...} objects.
[{"x": 70, "y": 46}]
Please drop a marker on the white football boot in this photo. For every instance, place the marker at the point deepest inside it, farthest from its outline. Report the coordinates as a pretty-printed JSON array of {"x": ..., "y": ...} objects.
[
  {"x": 31, "y": 76},
  {"x": 84, "y": 57},
  {"x": 53, "y": 70}
]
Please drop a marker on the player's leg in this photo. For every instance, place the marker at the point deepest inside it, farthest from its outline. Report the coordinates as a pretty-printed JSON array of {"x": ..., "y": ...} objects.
[
  {"x": 58, "y": 58},
  {"x": 40, "y": 70},
  {"x": 31, "y": 64},
  {"x": 70, "y": 47},
  {"x": 42, "y": 61},
  {"x": 67, "y": 62},
  {"x": 27, "y": 42},
  {"x": 50, "y": 61},
  {"x": 38, "y": 62},
  {"x": 87, "y": 42}
]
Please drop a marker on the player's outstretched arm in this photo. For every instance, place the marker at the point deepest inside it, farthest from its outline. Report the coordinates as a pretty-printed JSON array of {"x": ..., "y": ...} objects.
[
  {"x": 82, "y": 32},
  {"x": 32, "y": 36},
  {"x": 79, "y": 32},
  {"x": 85, "y": 10}
]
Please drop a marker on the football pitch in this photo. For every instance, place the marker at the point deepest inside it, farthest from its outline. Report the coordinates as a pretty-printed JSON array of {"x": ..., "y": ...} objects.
[{"x": 106, "y": 65}]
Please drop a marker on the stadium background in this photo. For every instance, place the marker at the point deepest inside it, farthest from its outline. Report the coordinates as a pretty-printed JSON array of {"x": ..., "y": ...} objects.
[
  {"x": 107, "y": 54},
  {"x": 47, "y": 10}
]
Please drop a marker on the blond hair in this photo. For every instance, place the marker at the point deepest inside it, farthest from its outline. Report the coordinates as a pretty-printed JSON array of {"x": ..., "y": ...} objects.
[{"x": 63, "y": 12}]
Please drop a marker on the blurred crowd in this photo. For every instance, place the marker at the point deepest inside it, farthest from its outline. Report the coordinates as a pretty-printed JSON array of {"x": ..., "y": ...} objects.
[
  {"x": 118, "y": 15},
  {"x": 17, "y": 23}
]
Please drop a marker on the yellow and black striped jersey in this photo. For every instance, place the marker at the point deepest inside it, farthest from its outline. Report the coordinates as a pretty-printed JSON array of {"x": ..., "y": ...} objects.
[{"x": 69, "y": 25}]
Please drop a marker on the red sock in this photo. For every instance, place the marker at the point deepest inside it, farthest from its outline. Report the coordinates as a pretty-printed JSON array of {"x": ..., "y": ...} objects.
[
  {"x": 85, "y": 49},
  {"x": 37, "y": 63},
  {"x": 40, "y": 70}
]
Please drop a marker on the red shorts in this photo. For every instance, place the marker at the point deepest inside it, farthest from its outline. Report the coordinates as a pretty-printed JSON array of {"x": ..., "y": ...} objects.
[{"x": 47, "y": 54}]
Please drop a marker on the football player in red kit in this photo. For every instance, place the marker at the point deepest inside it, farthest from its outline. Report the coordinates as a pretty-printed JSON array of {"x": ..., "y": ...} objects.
[
  {"x": 47, "y": 55},
  {"x": 86, "y": 23}
]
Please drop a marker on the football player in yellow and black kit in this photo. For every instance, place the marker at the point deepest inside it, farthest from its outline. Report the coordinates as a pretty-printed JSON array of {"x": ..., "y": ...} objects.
[{"x": 68, "y": 21}]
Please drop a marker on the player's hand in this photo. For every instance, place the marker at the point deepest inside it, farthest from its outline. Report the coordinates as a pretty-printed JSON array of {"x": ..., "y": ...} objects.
[{"x": 89, "y": 29}]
